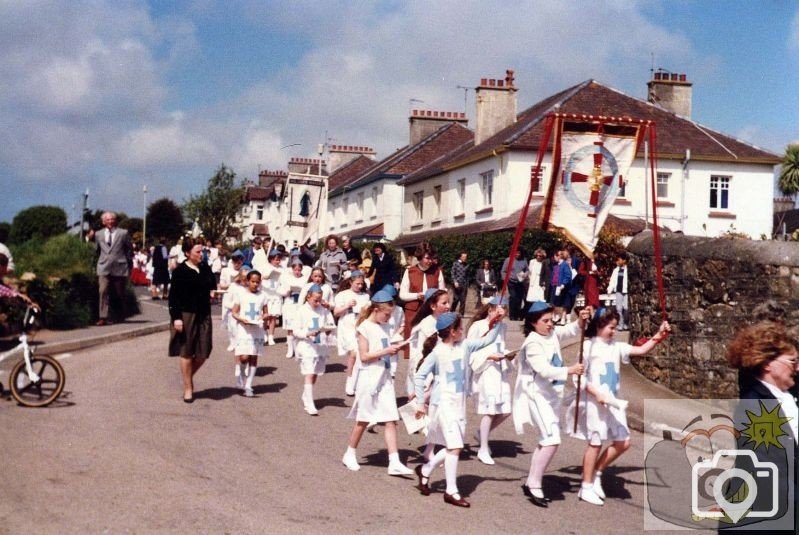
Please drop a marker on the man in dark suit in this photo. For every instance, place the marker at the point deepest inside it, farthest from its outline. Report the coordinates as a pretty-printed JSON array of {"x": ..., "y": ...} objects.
[{"x": 115, "y": 255}]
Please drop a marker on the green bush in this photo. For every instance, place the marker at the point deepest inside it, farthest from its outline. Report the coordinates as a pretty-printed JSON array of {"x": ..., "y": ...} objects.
[{"x": 59, "y": 257}]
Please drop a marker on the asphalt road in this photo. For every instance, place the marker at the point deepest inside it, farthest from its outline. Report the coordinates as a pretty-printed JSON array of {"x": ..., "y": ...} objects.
[{"x": 121, "y": 453}]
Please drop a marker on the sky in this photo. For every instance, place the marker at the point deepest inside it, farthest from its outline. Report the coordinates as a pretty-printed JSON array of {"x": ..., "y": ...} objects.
[{"x": 110, "y": 96}]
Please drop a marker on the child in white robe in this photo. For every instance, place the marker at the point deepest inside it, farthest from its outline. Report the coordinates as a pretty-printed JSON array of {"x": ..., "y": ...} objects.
[
  {"x": 448, "y": 357},
  {"x": 270, "y": 280},
  {"x": 348, "y": 305},
  {"x": 291, "y": 283},
  {"x": 538, "y": 393},
  {"x": 375, "y": 397},
  {"x": 491, "y": 377},
  {"x": 249, "y": 311},
  {"x": 602, "y": 417},
  {"x": 312, "y": 323}
]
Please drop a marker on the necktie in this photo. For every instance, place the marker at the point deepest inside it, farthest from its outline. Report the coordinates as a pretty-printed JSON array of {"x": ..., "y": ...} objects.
[{"x": 108, "y": 237}]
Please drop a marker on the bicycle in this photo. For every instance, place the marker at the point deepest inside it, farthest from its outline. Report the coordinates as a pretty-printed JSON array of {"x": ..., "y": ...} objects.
[{"x": 36, "y": 380}]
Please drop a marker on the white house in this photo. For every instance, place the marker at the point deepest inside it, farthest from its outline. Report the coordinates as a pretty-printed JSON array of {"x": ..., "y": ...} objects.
[
  {"x": 366, "y": 202},
  {"x": 708, "y": 183}
]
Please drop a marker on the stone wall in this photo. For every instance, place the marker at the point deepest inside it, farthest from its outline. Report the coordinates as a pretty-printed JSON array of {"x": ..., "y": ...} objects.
[{"x": 713, "y": 287}]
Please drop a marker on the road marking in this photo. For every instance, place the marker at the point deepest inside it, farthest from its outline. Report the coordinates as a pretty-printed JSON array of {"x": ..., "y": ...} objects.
[{"x": 62, "y": 356}]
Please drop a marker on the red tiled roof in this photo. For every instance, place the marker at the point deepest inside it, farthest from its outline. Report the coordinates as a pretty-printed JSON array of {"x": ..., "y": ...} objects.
[
  {"x": 258, "y": 193},
  {"x": 533, "y": 220},
  {"x": 348, "y": 172},
  {"x": 368, "y": 231},
  {"x": 675, "y": 134},
  {"x": 260, "y": 229},
  {"x": 439, "y": 145}
]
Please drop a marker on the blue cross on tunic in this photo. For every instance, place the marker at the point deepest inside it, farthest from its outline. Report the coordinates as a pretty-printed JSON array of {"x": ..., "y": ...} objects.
[
  {"x": 456, "y": 375},
  {"x": 386, "y": 359},
  {"x": 610, "y": 378},
  {"x": 557, "y": 362},
  {"x": 315, "y": 327},
  {"x": 252, "y": 313}
]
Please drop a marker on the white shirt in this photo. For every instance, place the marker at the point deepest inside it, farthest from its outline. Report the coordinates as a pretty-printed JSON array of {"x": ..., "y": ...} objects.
[{"x": 788, "y": 405}]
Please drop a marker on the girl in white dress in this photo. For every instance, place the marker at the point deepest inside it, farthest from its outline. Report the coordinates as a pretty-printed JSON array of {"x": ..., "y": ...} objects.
[
  {"x": 375, "y": 398},
  {"x": 249, "y": 311},
  {"x": 291, "y": 283},
  {"x": 228, "y": 283},
  {"x": 538, "y": 393},
  {"x": 602, "y": 416},
  {"x": 396, "y": 325},
  {"x": 348, "y": 305},
  {"x": 448, "y": 357},
  {"x": 271, "y": 285},
  {"x": 436, "y": 302},
  {"x": 491, "y": 376},
  {"x": 312, "y": 324}
]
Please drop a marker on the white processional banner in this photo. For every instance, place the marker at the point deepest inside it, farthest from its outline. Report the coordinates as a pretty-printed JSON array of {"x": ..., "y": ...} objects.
[
  {"x": 592, "y": 170},
  {"x": 304, "y": 208}
]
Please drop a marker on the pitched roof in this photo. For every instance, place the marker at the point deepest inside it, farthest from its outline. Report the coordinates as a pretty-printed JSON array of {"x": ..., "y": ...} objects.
[
  {"x": 674, "y": 133},
  {"x": 349, "y": 171},
  {"x": 439, "y": 145},
  {"x": 372, "y": 231},
  {"x": 626, "y": 226},
  {"x": 258, "y": 193}
]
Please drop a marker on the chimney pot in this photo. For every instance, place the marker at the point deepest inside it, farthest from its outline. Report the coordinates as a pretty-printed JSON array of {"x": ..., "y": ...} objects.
[
  {"x": 674, "y": 76},
  {"x": 683, "y": 78},
  {"x": 483, "y": 81}
]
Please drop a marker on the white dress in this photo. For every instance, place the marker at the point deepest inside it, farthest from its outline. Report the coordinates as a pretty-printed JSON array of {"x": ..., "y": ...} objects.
[
  {"x": 420, "y": 332},
  {"x": 290, "y": 286},
  {"x": 311, "y": 351},
  {"x": 345, "y": 337},
  {"x": 375, "y": 398},
  {"x": 270, "y": 283},
  {"x": 228, "y": 300},
  {"x": 490, "y": 379},
  {"x": 534, "y": 291},
  {"x": 538, "y": 394},
  {"x": 602, "y": 370},
  {"x": 451, "y": 366},
  {"x": 250, "y": 337}
]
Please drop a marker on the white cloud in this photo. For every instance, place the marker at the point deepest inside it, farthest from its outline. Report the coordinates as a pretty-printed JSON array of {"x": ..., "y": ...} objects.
[{"x": 793, "y": 35}]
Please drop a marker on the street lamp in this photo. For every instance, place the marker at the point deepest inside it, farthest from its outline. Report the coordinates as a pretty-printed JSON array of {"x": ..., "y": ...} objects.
[{"x": 144, "y": 220}]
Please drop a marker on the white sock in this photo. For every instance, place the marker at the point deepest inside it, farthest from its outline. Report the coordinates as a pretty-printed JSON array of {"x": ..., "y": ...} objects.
[
  {"x": 538, "y": 465},
  {"x": 451, "y": 472},
  {"x": 307, "y": 392},
  {"x": 393, "y": 458},
  {"x": 237, "y": 371},
  {"x": 434, "y": 461},
  {"x": 585, "y": 485},
  {"x": 290, "y": 344},
  {"x": 250, "y": 377},
  {"x": 485, "y": 428},
  {"x": 350, "y": 452},
  {"x": 428, "y": 451}
]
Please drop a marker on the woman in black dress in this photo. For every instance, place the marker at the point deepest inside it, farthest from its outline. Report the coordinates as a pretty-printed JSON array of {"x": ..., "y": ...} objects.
[{"x": 190, "y": 312}]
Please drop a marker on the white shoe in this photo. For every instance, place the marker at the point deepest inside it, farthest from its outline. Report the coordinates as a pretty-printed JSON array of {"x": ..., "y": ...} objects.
[
  {"x": 239, "y": 382},
  {"x": 290, "y": 355},
  {"x": 248, "y": 393},
  {"x": 485, "y": 457},
  {"x": 349, "y": 387},
  {"x": 589, "y": 496},
  {"x": 270, "y": 340},
  {"x": 598, "y": 487},
  {"x": 351, "y": 462},
  {"x": 399, "y": 469}
]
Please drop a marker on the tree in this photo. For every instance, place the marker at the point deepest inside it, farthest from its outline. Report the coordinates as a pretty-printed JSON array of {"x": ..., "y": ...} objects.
[
  {"x": 789, "y": 175},
  {"x": 215, "y": 209},
  {"x": 37, "y": 222},
  {"x": 5, "y": 231},
  {"x": 164, "y": 219}
]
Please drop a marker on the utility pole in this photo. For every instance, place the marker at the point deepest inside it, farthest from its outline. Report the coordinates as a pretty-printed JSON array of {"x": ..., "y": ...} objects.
[
  {"x": 465, "y": 96},
  {"x": 144, "y": 221},
  {"x": 83, "y": 213}
]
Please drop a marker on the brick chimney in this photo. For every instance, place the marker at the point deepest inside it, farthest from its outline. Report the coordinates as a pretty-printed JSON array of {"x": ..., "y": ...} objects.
[
  {"x": 267, "y": 178},
  {"x": 496, "y": 106},
  {"x": 307, "y": 166},
  {"x": 670, "y": 91},
  {"x": 425, "y": 122},
  {"x": 339, "y": 155}
]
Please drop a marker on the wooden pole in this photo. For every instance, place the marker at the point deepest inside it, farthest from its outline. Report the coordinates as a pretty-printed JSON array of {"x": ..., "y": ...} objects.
[{"x": 579, "y": 381}]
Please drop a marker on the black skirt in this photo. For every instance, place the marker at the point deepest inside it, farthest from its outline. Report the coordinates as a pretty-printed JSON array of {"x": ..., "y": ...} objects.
[{"x": 195, "y": 340}]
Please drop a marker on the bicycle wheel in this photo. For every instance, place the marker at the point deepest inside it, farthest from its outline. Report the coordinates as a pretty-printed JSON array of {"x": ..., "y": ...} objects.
[{"x": 43, "y": 392}]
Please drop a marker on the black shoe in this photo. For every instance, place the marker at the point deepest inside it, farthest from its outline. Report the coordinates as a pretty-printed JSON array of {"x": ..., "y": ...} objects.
[
  {"x": 423, "y": 486},
  {"x": 540, "y": 502},
  {"x": 188, "y": 400},
  {"x": 457, "y": 502}
]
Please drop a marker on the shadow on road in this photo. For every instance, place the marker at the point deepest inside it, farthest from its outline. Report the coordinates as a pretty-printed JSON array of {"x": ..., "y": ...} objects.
[
  {"x": 335, "y": 368},
  {"x": 263, "y": 371},
  {"x": 224, "y": 392},
  {"x": 329, "y": 402}
]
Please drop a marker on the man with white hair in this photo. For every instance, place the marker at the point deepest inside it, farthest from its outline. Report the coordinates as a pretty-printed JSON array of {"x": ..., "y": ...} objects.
[{"x": 115, "y": 255}]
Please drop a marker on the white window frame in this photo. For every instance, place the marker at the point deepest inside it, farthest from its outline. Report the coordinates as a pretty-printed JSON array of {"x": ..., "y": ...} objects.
[
  {"x": 487, "y": 188},
  {"x": 662, "y": 185},
  {"x": 719, "y": 192},
  {"x": 462, "y": 194},
  {"x": 418, "y": 205},
  {"x": 259, "y": 212},
  {"x": 437, "y": 201}
]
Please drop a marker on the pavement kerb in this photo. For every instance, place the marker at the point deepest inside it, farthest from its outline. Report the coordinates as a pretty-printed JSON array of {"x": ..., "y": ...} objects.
[{"x": 84, "y": 343}]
